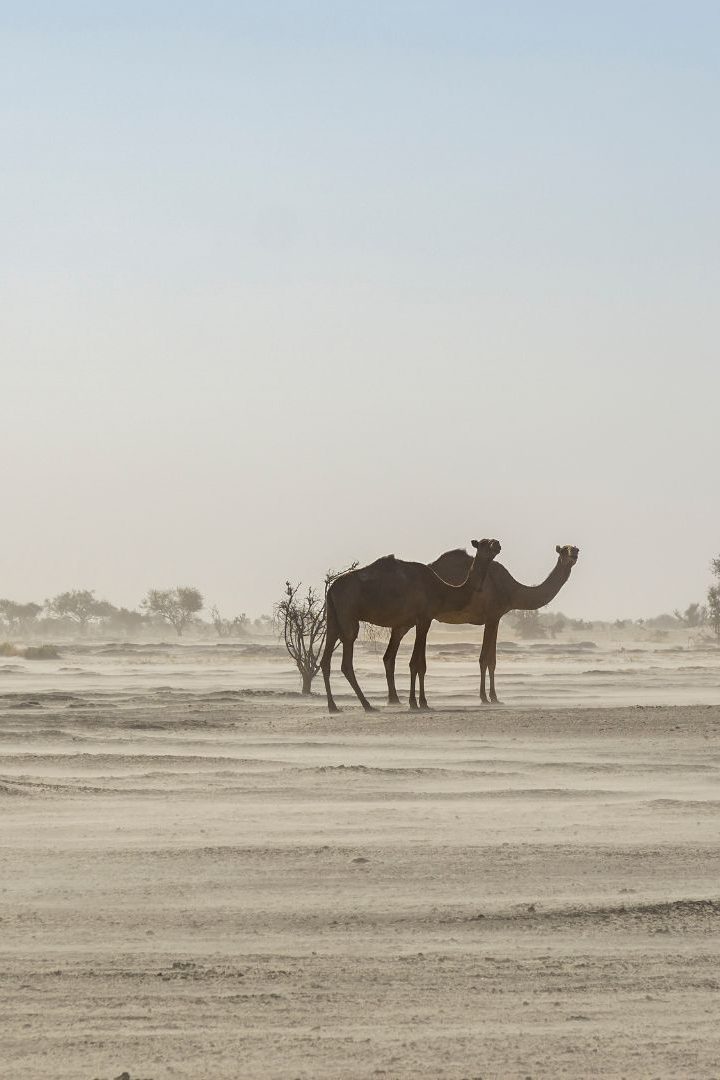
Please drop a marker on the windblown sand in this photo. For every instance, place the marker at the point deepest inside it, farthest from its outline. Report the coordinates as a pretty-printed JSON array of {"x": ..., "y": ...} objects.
[{"x": 199, "y": 883}]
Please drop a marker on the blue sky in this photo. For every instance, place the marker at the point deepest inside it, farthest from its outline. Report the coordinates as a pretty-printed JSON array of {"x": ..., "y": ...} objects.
[{"x": 290, "y": 284}]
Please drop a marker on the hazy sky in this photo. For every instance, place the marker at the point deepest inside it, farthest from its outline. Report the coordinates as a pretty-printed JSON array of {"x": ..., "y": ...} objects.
[{"x": 290, "y": 284}]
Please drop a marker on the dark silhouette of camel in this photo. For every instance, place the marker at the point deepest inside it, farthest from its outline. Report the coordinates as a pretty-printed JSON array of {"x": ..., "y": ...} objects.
[
  {"x": 394, "y": 593},
  {"x": 501, "y": 594}
]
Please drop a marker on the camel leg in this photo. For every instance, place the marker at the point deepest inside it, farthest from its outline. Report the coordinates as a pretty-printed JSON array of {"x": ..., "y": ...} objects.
[
  {"x": 331, "y": 636},
  {"x": 349, "y": 671},
  {"x": 418, "y": 665},
  {"x": 396, "y": 636},
  {"x": 422, "y": 634},
  {"x": 488, "y": 650},
  {"x": 492, "y": 655}
]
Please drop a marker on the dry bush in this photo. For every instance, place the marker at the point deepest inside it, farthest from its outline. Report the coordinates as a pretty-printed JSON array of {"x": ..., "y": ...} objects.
[
  {"x": 41, "y": 652},
  {"x": 301, "y": 621},
  {"x": 30, "y": 652}
]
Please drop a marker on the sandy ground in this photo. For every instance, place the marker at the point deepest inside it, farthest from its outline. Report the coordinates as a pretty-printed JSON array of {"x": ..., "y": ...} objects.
[{"x": 238, "y": 885}]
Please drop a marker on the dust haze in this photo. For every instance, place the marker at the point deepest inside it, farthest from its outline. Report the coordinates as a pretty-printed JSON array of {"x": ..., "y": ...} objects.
[{"x": 288, "y": 288}]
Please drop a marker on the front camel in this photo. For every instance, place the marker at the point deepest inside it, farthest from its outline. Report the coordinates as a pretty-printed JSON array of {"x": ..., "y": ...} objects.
[
  {"x": 501, "y": 594},
  {"x": 397, "y": 594}
]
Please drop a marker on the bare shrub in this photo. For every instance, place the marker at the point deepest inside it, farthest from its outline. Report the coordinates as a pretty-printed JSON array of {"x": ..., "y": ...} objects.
[
  {"x": 301, "y": 621},
  {"x": 376, "y": 636}
]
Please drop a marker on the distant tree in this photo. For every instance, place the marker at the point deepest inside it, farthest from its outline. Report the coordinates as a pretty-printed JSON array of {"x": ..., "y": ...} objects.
[
  {"x": 713, "y": 597},
  {"x": 80, "y": 605},
  {"x": 265, "y": 624},
  {"x": 662, "y": 622},
  {"x": 19, "y": 617},
  {"x": 128, "y": 622},
  {"x": 300, "y": 620},
  {"x": 714, "y": 608},
  {"x": 176, "y": 606},
  {"x": 693, "y": 615},
  {"x": 554, "y": 624},
  {"x": 528, "y": 624},
  {"x": 225, "y": 628},
  {"x": 580, "y": 624}
]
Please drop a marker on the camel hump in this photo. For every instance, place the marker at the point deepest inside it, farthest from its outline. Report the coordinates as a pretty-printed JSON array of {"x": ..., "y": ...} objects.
[
  {"x": 458, "y": 556},
  {"x": 386, "y": 560},
  {"x": 380, "y": 566}
]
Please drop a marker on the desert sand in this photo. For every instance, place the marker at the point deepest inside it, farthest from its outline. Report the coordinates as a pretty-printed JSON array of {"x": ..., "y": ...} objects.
[{"x": 203, "y": 874}]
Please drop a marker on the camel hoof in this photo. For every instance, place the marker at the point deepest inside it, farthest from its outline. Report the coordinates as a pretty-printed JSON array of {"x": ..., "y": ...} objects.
[
  {"x": 393, "y": 701},
  {"x": 495, "y": 701},
  {"x": 333, "y": 708},
  {"x": 424, "y": 706},
  {"x": 369, "y": 708},
  {"x": 414, "y": 706}
]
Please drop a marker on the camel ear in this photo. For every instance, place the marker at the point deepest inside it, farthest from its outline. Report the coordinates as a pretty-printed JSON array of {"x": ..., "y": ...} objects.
[
  {"x": 558, "y": 549},
  {"x": 475, "y": 543}
]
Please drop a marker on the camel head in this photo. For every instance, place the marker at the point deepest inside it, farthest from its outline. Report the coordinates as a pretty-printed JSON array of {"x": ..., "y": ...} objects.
[
  {"x": 568, "y": 555},
  {"x": 488, "y": 548},
  {"x": 485, "y": 552}
]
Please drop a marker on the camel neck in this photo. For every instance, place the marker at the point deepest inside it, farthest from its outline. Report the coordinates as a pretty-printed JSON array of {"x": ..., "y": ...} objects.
[{"x": 531, "y": 597}]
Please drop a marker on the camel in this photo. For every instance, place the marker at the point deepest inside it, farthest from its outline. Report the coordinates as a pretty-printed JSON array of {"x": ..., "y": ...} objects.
[
  {"x": 394, "y": 593},
  {"x": 502, "y": 593}
]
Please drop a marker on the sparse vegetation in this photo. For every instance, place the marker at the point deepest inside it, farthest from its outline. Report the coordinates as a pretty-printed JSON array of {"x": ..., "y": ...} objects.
[
  {"x": 694, "y": 615},
  {"x": 80, "y": 605},
  {"x": 376, "y": 636},
  {"x": 176, "y": 606},
  {"x": 528, "y": 624},
  {"x": 19, "y": 617},
  {"x": 665, "y": 621},
  {"x": 300, "y": 620},
  {"x": 41, "y": 652},
  {"x": 126, "y": 621},
  {"x": 29, "y": 652},
  {"x": 713, "y": 598},
  {"x": 579, "y": 624},
  {"x": 555, "y": 624},
  {"x": 226, "y": 628},
  {"x": 79, "y": 610}
]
